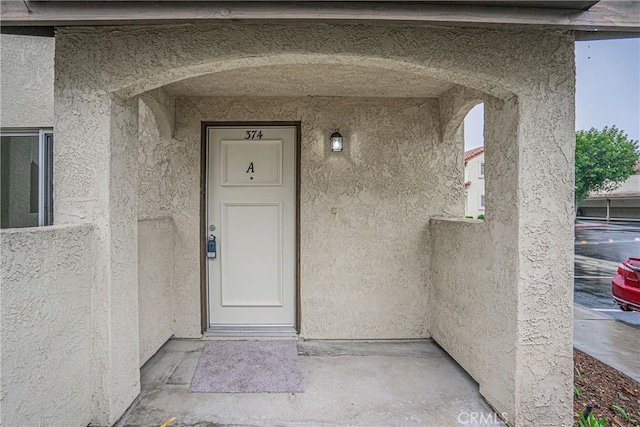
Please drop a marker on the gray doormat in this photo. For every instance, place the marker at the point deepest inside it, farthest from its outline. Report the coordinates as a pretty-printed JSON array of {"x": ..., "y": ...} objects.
[{"x": 248, "y": 367}]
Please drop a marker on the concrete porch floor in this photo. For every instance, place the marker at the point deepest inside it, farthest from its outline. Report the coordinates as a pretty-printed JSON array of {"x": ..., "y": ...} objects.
[{"x": 346, "y": 383}]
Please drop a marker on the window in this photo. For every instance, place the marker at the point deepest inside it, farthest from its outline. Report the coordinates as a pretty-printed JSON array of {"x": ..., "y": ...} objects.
[
  {"x": 25, "y": 178},
  {"x": 482, "y": 201},
  {"x": 482, "y": 170}
]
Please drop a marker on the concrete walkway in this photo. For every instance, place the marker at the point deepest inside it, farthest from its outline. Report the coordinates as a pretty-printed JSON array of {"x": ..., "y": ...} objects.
[
  {"x": 608, "y": 340},
  {"x": 346, "y": 383},
  {"x": 355, "y": 383}
]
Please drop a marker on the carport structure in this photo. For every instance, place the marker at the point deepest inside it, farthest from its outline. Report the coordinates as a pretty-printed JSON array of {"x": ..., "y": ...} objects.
[{"x": 380, "y": 246}]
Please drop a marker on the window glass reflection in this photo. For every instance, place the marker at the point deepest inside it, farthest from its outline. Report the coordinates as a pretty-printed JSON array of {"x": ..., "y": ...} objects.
[{"x": 19, "y": 172}]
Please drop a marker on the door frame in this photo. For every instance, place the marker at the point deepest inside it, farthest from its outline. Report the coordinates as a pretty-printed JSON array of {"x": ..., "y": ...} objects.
[{"x": 204, "y": 283}]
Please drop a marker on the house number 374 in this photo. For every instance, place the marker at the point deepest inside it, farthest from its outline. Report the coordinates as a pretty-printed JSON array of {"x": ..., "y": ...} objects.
[{"x": 253, "y": 134}]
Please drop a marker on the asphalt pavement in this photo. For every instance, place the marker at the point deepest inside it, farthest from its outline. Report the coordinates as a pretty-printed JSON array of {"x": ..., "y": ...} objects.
[{"x": 600, "y": 247}]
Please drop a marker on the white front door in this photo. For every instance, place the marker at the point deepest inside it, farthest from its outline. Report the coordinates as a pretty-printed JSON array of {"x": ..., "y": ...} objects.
[{"x": 251, "y": 213}]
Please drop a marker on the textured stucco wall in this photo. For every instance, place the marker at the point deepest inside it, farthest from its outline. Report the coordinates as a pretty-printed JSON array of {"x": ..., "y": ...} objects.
[
  {"x": 546, "y": 145},
  {"x": 509, "y": 321},
  {"x": 96, "y": 182},
  {"x": 472, "y": 302},
  {"x": 98, "y": 69},
  {"x": 155, "y": 284},
  {"x": 362, "y": 269},
  {"x": 45, "y": 302},
  {"x": 156, "y": 190},
  {"x": 474, "y": 271},
  {"x": 469, "y": 316},
  {"x": 132, "y": 60},
  {"x": 26, "y": 66}
]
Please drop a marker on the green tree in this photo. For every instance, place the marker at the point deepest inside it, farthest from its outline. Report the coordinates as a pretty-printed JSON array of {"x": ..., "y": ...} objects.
[{"x": 604, "y": 159}]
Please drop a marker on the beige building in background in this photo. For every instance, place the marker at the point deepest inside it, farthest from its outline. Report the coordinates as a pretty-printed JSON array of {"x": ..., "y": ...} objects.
[
  {"x": 623, "y": 203},
  {"x": 379, "y": 236},
  {"x": 474, "y": 197}
]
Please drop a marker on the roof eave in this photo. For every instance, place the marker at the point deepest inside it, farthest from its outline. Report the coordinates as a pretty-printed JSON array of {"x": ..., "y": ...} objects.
[{"x": 604, "y": 19}]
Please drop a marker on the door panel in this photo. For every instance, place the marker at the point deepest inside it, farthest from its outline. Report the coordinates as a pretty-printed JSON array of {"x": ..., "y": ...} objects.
[
  {"x": 239, "y": 167},
  {"x": 252, "y": 258},
  {"x": 251, "y": 202}
]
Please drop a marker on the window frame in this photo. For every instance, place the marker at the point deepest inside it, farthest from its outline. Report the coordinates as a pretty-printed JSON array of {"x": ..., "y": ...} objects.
[
  {"x": 483, "y": 201},
  {"x": 481, "y": 167},
  {"x": 45, "y": 168}
]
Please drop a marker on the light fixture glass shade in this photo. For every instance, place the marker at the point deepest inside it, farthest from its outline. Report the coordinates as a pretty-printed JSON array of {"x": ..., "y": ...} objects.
[{"x": 336, "y": 142}]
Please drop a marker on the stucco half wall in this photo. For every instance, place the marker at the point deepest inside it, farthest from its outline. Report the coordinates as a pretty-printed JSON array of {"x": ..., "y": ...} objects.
[
  {"x": 156, "y": 292},
  {"x": 501, "y": 292},
  {"x": 45, "y": 315}
]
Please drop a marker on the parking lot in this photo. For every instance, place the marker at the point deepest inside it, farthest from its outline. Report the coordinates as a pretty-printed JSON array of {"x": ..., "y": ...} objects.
[{"x": 599, "y": 249}]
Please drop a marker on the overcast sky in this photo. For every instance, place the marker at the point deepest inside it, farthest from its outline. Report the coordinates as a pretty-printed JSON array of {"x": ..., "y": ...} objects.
[{"x": 607, "y": 89}]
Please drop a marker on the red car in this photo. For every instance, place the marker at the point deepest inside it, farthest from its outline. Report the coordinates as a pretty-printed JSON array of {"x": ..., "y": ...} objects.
[{"x": 625, "y": 285}]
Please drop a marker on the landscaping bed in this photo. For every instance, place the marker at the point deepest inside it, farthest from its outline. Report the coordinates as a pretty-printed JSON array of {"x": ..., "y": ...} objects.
[{"x": 605, "y": 388}]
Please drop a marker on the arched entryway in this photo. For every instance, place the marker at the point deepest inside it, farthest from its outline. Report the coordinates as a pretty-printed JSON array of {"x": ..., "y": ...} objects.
[{"x": 370, "y": 265}]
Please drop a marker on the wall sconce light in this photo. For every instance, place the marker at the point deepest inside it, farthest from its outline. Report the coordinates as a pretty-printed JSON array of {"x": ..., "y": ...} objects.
[{"x": 336, "y": 141}]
